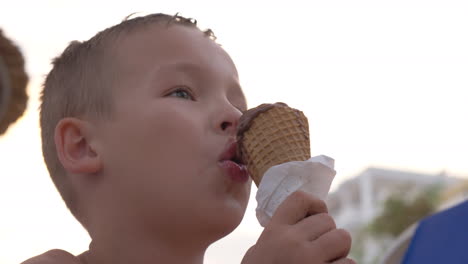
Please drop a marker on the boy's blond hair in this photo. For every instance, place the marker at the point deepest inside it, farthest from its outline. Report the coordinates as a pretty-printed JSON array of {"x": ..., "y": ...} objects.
[{"x": 80, "y": 85}]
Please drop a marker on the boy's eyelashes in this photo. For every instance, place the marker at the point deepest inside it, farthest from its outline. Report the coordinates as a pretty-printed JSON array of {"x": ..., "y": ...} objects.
[{"x": 183, "y": 92}]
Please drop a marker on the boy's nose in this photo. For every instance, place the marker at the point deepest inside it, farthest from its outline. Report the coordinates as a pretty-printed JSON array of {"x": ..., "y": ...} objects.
[{"x": 229, "y": 120}]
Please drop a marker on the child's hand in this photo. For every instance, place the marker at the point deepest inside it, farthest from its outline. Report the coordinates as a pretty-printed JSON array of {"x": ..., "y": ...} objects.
[{"x": 301, "y": 231}]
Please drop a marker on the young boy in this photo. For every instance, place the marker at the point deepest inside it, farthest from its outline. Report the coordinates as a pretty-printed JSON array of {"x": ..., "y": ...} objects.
[{"x": 138, "y": 129}]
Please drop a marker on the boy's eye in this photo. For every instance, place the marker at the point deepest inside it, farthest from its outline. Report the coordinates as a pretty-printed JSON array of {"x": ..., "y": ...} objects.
[{"x": 183, "y": 93}]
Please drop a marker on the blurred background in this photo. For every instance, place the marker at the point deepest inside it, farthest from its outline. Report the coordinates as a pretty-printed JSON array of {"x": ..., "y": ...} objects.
[{"x": 383, "y": 84}]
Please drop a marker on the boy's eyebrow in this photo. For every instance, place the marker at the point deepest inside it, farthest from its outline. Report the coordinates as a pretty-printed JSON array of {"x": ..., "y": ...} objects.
[{"x": 180, "y": 67}]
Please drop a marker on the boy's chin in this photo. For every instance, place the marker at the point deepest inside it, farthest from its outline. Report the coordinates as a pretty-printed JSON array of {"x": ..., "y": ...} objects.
[
  {"x": 224, "y": 227},
  {"x": 227, "y": 222}
]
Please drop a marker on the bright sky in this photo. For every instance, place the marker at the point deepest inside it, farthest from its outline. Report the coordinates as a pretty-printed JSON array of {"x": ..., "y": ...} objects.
[{"x": 383, "y": 83}]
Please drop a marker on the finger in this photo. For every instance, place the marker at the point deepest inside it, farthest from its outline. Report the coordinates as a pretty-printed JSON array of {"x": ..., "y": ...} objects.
[
  {"x": 343, "y": 261},
  {"x": 333, "y": 245},
  {"x": 316, "y": 225},
  {"x": 296, "y": 207}
]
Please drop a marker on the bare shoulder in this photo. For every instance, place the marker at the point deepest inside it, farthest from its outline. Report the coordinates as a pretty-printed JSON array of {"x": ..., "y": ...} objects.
[{"x": 54, "y": 256}]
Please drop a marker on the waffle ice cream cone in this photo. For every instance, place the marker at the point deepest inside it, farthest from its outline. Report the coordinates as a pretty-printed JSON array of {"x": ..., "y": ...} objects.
[{"x": 272, "y": 134}]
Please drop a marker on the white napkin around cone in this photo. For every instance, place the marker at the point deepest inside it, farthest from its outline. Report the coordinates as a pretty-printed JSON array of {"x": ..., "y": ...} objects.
[{"x": 313, "y": 176}]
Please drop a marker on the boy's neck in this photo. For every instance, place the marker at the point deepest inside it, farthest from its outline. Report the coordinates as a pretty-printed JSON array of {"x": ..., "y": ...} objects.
[{"x": 126, "y": 251}]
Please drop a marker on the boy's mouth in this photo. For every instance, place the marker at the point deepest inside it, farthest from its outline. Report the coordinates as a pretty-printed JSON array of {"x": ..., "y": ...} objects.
[
  {"x": 232, "y": 164},
  {"x": 231, "y": 154}
]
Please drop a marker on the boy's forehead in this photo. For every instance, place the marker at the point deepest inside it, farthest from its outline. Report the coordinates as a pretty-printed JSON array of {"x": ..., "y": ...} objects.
[
  {"x": 174, "y": 48},
  {"x": 164, "y": 37},
  {"x": 168, "y": 43}
]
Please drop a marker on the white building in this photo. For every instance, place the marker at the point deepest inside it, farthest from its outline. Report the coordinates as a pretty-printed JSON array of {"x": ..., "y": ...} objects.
[{"x": 359, "y": 200}]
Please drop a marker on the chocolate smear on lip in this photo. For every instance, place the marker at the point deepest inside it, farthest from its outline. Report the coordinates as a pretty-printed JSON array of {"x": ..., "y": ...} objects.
[{"x": 245, "y": 122}]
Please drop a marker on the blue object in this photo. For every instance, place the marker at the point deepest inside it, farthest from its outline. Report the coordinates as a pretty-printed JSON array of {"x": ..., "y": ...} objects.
[{"x": 441, "y": 238}]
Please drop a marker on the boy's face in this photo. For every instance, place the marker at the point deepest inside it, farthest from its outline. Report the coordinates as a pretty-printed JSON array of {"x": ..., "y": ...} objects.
[{"x": 177, "y": 102}]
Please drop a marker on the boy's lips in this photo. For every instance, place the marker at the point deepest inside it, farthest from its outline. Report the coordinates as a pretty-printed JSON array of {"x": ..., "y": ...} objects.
[{"x": 232, "y": 165}]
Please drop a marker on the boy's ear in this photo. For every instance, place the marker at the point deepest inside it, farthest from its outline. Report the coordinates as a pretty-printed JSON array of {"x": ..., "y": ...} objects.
[{"x": 74, "y": 144}]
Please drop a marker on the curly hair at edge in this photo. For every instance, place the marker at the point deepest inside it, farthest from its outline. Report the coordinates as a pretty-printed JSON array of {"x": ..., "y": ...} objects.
[
  {"x": 13, "y": 83},
  {"x": 79, "y": 85}
]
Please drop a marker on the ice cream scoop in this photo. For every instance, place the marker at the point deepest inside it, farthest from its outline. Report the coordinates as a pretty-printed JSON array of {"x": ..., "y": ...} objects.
[{"x": 271, "y": 134}]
